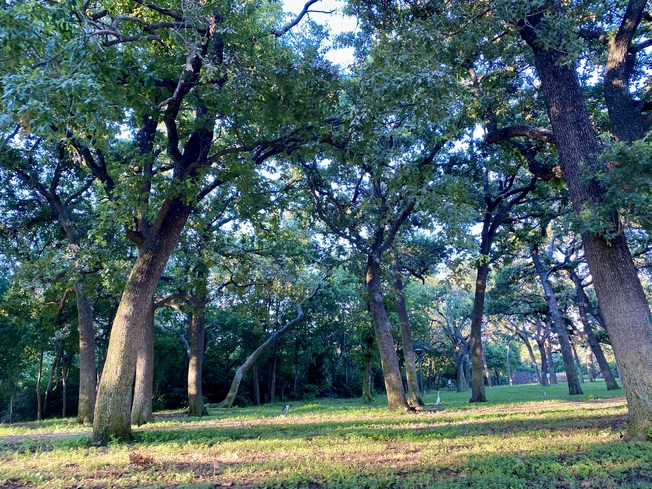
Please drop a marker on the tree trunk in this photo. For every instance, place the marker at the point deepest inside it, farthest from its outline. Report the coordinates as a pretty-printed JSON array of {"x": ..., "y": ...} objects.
[
  {"x": 578, "y": 364},
  {"x": 533, "y": 360},
  {"x": 478, "y": 393},
  {"x": 253, "y": 358},
  {"x": 196, "y": 406},
  {"x": 142, "y": 409},
  {"x": 615, "y": 278},
  {"x": 590, "y": 364},
  {"x": 256, "y": 384},
  {"x": 51, "y": 380},
  {"x": 485, "y": 367},
  {"x": 574, "y": 387},
  {"x": 462, "y": 382},
  {"x": 272, "y": 377},
  {"x": 594, "y": 346},
  {"x": 39, "y": 399},
  {"x": 509, "y": 368},
  {"x": 383, "y": 330},
  {"x": 112, "y": 415},
  {"x": 366, "y": 379},
  {"x": 87, "y": 368},
  {"x": 65, "y": 370},
  {"x": 552, "y": 371},
  {"x": 414, "y": 392},
  {"x": 544, "y": 363}
]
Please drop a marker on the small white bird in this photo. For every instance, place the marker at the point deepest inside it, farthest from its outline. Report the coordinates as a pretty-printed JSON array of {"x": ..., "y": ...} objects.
[
  {"x": 285, "y": 409},
  {"x": 438, "y": 399}
]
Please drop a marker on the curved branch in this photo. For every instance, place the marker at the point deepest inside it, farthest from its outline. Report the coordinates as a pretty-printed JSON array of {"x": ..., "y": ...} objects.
[{"x": 297, "y": 19}]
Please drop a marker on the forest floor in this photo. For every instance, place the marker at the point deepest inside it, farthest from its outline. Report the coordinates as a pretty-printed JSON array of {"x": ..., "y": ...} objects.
[{"x": 525, "y": 437}]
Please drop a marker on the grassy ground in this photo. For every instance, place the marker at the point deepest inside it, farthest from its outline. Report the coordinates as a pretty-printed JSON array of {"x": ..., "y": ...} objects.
[{"x": 526, "y": 437}]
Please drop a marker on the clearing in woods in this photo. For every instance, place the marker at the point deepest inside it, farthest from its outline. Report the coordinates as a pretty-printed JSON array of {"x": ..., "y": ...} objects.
[{"x": 527, "y": 436}]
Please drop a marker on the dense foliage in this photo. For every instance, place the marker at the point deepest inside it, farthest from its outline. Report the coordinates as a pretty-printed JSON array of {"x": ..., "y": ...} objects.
[{"x": 192, "y": 192}]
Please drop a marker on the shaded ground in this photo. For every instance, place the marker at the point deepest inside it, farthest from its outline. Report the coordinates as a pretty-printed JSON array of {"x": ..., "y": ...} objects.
[{"x": 543, "y": 444}]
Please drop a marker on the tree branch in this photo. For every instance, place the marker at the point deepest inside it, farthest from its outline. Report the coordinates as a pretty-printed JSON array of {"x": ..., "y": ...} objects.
[
  {"x": 297, "y": 19},
  {"x": 532, "y": 132}
]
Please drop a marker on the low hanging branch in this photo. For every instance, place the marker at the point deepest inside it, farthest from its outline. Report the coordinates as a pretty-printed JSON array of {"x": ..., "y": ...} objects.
[{"x": 249, "y": 362}]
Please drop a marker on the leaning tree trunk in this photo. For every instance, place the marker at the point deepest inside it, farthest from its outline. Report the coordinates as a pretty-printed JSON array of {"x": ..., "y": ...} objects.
[
  {"x": 414, "y": 392},
  {"x": 253, "y": 358},
  {"x": 615, "y": 278},
  {"x": 112, "y": 418},
  {"x": 142, "y": 409},
  {"x": 583, "y": 306},
  {"x": 478, "y": 393},
  {"x": 87, "y": 368},
  {"x": 574, "y": 387},
  {"x": 384, "y": 338}
]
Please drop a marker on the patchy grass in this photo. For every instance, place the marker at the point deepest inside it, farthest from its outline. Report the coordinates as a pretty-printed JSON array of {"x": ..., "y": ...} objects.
[{"x": 521, "y": 439}]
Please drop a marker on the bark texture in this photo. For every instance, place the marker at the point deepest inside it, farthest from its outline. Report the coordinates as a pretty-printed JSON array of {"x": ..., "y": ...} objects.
[
  {"x": 196, "y": 405},
  {"x": 414, "y": 398},
  {"x": 620, "y": 294},
  {"x": 142, "y": 409},
  {"x": 478, "y": 393},
  {"x": 384, "y": 338},
  {"x": 87, "y": 368},
  {"x": 113, "y": 405}
]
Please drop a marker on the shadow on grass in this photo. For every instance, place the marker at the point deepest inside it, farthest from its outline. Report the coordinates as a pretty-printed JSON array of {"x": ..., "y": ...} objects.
[{"x": 403, "y": 428}]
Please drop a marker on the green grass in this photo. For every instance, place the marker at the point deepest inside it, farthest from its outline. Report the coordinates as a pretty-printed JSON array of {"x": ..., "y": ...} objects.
[{"x": 520, "y": 439}]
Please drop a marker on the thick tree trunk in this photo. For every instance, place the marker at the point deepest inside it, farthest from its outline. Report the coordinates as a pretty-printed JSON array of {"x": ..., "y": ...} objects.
[
  {"x": 113, "y": 405},
  {"x": 87, "y": 367},
  {"x": 414, "y": 392},
  {"x": 142, "y": 409},
  {"x": 583, "y": 306},
  {"x": 615, "y": 278},
  {"x": 253, "y": 358},
  {"x": 196, "y": 405},
  {"x": 383, "y": 330},
  {"x": 574, "y": 387},
  {"x": 478, "y": 393}
]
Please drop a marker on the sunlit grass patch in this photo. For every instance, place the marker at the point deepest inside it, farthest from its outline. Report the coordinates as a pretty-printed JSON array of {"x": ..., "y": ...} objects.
[{"x": 521, "y": 438}]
